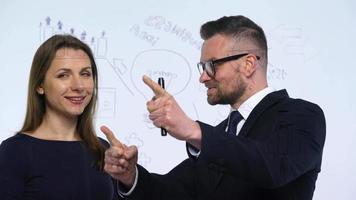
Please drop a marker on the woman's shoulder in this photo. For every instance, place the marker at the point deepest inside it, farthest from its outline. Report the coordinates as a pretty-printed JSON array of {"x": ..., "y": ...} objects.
[
  {"x": 16, "y": 140},
  {"x": 14, "y": 146}
]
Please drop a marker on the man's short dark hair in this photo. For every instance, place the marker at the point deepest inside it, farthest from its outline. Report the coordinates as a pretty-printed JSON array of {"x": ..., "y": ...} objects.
[{"x": 239, "y": 27}]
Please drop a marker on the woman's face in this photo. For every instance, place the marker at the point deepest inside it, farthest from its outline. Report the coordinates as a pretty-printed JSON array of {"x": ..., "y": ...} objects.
[{"x": 68, "y": 84}]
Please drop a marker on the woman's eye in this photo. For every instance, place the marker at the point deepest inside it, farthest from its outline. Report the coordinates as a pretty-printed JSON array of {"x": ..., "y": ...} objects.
[
  {"x": 63, "y": 75},
  {"x": 86, "y": 74}
]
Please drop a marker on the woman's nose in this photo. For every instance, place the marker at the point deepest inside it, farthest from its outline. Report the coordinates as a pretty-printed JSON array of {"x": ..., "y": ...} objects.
[{"x": 77, "y": 83}]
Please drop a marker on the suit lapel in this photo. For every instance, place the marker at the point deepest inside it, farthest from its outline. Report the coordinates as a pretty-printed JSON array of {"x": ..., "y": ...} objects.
[{"x": 265, "y": 103}]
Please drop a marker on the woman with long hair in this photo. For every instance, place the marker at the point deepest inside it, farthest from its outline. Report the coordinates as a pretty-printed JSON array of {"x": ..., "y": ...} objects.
[{"x": 56, "y": 154}]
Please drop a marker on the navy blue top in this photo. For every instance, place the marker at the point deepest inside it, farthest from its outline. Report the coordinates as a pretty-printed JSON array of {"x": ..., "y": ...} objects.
[{"x": 32, "y": 168}]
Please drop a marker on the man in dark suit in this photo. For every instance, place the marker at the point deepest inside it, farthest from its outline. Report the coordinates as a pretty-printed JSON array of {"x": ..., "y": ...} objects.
[{"x": 269, "y": 147}]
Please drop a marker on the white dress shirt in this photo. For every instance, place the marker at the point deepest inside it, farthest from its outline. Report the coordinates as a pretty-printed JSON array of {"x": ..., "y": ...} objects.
[{"x": 246, "y": 107}]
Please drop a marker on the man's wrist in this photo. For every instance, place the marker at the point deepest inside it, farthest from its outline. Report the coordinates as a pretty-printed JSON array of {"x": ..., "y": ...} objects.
[
  {"x": 195, "y": 136},
  {"x": 124, "y": 190}
]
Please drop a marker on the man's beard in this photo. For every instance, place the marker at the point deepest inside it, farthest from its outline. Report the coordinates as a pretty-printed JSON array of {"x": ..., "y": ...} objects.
[{"x": 228, "y": 97}]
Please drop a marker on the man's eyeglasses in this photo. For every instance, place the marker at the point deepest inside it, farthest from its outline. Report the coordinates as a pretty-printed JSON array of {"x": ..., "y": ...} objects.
[{"x": 210, "y": 66}]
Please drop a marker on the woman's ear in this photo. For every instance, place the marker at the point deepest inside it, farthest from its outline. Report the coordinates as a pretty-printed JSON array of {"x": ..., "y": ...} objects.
[{"x": 40, "y": 90}]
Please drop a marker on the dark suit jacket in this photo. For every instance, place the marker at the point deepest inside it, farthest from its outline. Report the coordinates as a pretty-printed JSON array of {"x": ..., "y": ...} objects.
[{"x": 276, "y": 155}]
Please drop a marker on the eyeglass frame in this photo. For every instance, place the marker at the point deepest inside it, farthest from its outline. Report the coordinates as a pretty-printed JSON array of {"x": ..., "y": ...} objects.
[{"x": 213, "y": 63}]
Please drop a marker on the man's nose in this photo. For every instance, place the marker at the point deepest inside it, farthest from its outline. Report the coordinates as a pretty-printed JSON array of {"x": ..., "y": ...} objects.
[{"x": 204, "y": 77}]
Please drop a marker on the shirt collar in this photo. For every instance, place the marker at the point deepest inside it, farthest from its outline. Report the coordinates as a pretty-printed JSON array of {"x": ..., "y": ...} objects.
[{"x": 246, "y": 107}]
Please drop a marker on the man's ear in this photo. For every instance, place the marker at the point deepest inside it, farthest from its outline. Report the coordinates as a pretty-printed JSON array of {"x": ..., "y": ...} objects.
[
  {"x": 40, "y": 90},
  {"x": 250, "y": 65}
]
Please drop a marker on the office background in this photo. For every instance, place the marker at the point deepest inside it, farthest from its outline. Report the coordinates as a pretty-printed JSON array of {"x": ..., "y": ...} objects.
[{"x": 311, "y": 54}]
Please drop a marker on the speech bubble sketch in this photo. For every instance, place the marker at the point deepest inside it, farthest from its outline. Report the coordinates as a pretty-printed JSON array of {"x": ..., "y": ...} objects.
[
  {"x": 134, "y": 139},
  {"x": 155, "y": 63},
  {"x": 144, "y": 159}
]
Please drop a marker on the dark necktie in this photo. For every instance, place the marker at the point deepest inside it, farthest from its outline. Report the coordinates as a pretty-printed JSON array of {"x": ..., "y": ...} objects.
[{"x": 235, "y": 118}]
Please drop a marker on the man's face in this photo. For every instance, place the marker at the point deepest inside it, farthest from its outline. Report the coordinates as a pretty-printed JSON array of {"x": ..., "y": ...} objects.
[{"x": 228, "y": 84}]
